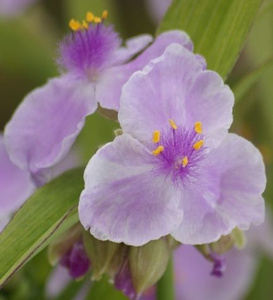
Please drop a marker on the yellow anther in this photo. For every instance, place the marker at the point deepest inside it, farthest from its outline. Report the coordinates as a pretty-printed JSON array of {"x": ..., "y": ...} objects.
[
  {"x": 198, "y": 145},
  {"x": 185, "y": 161},
  {"x": 158, "y": 150},
  {"x": 104, "y": 14},
  {"x": 89, "y": 17},
  {"x": 75, "y": 25},
  {"x": 85, "y": 24},
  {"x": 97, "y": 20},
  {"x": 198, "y": 127},
  {"x": 156, "y": 136},
  {"x": 172, "y": 124}
]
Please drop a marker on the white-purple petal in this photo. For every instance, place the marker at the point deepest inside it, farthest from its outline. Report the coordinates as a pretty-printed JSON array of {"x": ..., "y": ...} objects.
[
  {"x": 15, "y": 186},
  {"x": 194, "y": 282},
  {"x": 116, "y": 77},
  {"x": 132, "y": 47},
  {"x": 176, "y": 86},
  {"x": 231, "y": 198},
  {"x": 13, "y": 7},
  {"x": 46, "y": 124},
  {"x": 124, "y": 200}
]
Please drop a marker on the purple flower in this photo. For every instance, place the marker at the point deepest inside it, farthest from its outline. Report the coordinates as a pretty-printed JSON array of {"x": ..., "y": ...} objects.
[
  {"x": 15, "y": 185},
  {"x": 76, "y": 261},
  {"x": 123, "y": 280},
  {"x": 175, "y": 170},
  {"x": 13, "y": 7},
  {"x": 95, "y": 66}
]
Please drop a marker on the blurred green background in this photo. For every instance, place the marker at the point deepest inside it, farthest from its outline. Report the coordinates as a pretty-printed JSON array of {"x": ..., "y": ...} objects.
[{"x": 28, "y": 48}]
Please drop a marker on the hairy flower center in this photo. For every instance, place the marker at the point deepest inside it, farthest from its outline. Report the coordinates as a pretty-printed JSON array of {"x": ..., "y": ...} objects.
[
  {"x": 178, "y": 151},
  {"x": 90, "y": 46}
]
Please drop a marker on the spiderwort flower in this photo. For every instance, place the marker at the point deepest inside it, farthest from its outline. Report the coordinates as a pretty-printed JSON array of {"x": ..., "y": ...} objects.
[
  {"x": 174, "y": 170},
  {"x": 95, "y": 66}
]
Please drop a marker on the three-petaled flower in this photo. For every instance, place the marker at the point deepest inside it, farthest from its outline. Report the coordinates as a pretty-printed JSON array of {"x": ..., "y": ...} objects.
[{"x": 175, "y": 169}]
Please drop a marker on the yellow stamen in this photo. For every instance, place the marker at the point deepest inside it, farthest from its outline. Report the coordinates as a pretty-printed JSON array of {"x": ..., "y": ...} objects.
[
  {"x": 185, "y": 161},
  {"x": 85, "y": 24},
  {"x": 104, "y": 14},
  {"x": 198, "y": 127},
  {"x": 97, "y": 20},
  {"x": 173, "y": 124},
  {"x": 198, "y": 145},
  {"x": 156, "y": 136},
  {"x": 158, "y": 150},
  {"x": 89, "y": 17},
  {"x": 75, "y": 25}
]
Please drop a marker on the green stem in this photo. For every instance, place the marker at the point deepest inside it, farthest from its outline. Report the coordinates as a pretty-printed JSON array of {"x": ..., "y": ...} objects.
[{"x": 165, "y": 286}]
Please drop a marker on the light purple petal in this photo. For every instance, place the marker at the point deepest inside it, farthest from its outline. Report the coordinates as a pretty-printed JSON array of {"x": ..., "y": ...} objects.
[
  {"x": 231, "y": 198},
  {"x": 116, "y": 77},
  {"x": 260, "y": 238},
  {"x": 123, "y": 200},
  {"x": 171, "y": 87},
  {"x": 194, "y": 282},
  {"x": 157, "y": 8},
  {"x": 4, "y": 219},
  {"x": 132, "y": 47},
  {"x": 210, "y": 101},
  {"x": 13, "y": 7},
  {"x": 57, "y": 282},
  {"x": 72, "y": 160},
  {"x": 15, "y": 185},
  {"x": 47, "y": 123}
]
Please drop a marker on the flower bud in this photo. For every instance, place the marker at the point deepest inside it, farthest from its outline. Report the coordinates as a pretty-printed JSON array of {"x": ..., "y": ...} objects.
[
  {"x": 148, "y": 263},
  {"x": 226, "y": 242},
  {"x": 105, "y": 256}
]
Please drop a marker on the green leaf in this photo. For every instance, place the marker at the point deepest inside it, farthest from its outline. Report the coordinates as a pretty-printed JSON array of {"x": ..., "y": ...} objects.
[
  {"x": 47, "y": 214},
  {"x": 242, "y": 86},
  {"x": 218, "y": 28}
]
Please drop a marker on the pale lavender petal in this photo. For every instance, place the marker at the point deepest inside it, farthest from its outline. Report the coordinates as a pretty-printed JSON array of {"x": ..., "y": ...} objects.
[
  {"x": 116, "y": 77},
  {"x": 4, "y": 219},
  {"x": 157, "y": 8},
  {"x": 232, "y": 199},
  {"x": 57, "y": 282},
  {"x": 13, "y": 7},
  {"x": 124, "y": 200},
  {"x": 194, "y": 282},
  {"x": 167, "y": 93},
  {"x": 71, "y": 161},
  {"x": 46, "y": 124},
  {"x": 260, "y": 238},
  {"x": 15, "y": 185},
  {"x": 210, "y": 101},
  {"x": 132, "y": 47}
]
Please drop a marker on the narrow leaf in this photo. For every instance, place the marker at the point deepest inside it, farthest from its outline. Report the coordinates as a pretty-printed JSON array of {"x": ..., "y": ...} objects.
[
  {"x": 217, "y": 28},
  {"x": 50, "y": 211}
]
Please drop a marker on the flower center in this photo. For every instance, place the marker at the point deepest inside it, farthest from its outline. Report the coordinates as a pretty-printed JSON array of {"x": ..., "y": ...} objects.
[
  {"x": 178, "y": 151},
  {"x": 90, "y": 46}
]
